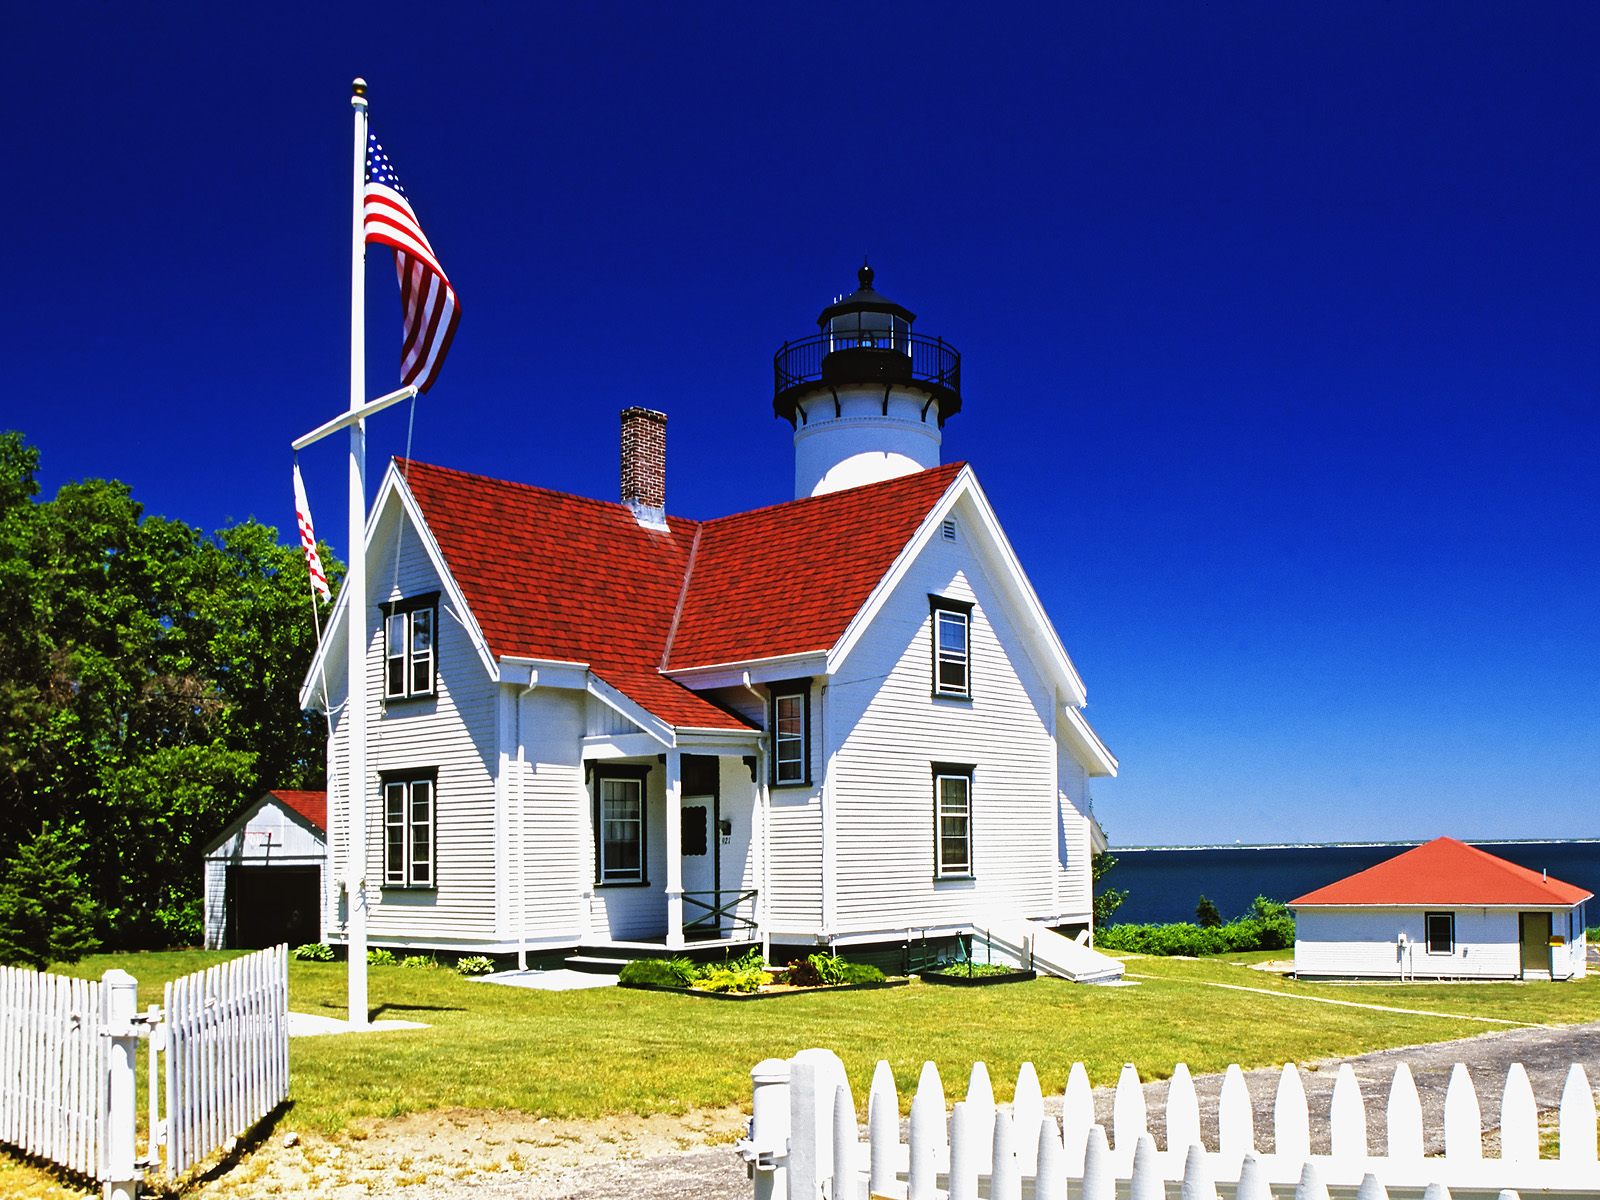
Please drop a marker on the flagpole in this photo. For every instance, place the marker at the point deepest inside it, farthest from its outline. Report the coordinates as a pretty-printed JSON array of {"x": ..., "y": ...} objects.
[{"x": 355, "y": 582}]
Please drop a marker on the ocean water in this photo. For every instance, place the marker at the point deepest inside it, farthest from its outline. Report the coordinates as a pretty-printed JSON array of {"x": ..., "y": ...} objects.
[{"x": 1164, "y": 883}]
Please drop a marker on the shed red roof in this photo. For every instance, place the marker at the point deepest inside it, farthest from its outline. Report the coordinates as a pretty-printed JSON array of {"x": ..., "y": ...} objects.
[
  {"x": 313, "y": 806},
  {"x": 1445, "y": 872},
  {"x": 556, "y": 576}
]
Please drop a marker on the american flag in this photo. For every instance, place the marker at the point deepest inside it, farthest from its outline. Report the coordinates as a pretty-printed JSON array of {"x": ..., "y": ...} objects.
[
  {"x": 431, "y": 311},
  {"x": 308, "y": 537}
]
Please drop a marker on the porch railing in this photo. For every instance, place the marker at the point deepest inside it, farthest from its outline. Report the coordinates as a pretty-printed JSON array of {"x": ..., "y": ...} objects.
[{"x": 716, "y": 910}]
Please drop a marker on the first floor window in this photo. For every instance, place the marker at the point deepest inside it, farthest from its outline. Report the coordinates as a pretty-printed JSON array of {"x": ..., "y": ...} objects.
[
  {"x": 1441, "y": 933},
  {"x": 408, "y": 822},
  {"x": 952, "y": 820},
  {"x": 791, "y": 733},
  {"x": 409, "y": 658},
  {"x": 620, "y": 844}
]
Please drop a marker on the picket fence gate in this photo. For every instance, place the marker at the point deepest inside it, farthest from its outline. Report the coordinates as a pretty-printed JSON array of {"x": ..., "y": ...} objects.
[
  {"x": 218, "y": 1057},
  {"x": 803, "y": 1142}
]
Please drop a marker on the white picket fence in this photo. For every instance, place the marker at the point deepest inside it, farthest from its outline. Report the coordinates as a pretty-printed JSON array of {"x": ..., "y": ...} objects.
[
  {"x": 804, "y": 1144},
  {"x": 53, "y": 1075},
  {"x": 218, "y": 1055},
  {"x": 227, "y": 1052}
]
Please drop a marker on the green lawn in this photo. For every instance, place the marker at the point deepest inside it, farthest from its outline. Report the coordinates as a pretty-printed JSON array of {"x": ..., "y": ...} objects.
[{"x": 588, "y": 1053}]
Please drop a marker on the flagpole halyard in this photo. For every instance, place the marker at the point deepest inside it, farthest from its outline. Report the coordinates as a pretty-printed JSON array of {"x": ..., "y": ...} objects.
[{"x": 355, "y": 792}]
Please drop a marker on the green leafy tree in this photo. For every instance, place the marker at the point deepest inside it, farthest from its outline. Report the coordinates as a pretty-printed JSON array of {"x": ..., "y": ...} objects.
[
  {"x": 149, "y": 679},
  {"x": 1206, "y": 915},
  {"x": 1107, "y": 899},
  {"x": 46, "y": 914}
]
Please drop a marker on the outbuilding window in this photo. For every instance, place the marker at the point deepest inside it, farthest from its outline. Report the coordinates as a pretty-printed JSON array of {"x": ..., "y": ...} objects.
[
  {"x": 1441, "y": 932},
  {"x": 952, "y": 821},
  {"x": 952, "y": 646},
  {"x": 408, "y": 825},
  {"x": 620, "y": 825},
  {"x": 790, "y": 722},
  {"x": 410, "y": 662}
]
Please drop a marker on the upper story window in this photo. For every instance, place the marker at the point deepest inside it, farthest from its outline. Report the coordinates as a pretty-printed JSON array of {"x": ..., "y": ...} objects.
[
  {"x": 790, "y": 722},
  {"x": 952, "y": 646},
  {"x": 410, "y": 655},
  {"x": 408, "y": 824}
]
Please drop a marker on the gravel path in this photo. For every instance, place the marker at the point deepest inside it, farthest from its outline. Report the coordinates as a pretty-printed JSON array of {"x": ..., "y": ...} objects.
[{"x": 716, "y": 1173}]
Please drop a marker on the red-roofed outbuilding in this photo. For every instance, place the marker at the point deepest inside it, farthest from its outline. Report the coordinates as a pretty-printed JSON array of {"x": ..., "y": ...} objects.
[
  {"x": 821, "y": 722},
  {"x": 265, "y": 873},
  {"x": 1442, "y": 910}
]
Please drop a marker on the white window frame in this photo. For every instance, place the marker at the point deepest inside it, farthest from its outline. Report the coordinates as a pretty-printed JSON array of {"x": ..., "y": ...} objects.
[
  {"x": 606, "y": 874},
  {"x": 944, "y": 773},
  {"x": 943, "y": 613},
  {"x": 1427, "y": 931},
  {"x": 402, "y": 622},
  {"x": 791, "y": 750},
  {"x": 410, "y": 843}
]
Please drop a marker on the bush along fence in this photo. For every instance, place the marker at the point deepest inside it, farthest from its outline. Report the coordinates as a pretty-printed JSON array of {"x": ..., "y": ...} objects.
[
  {"x": 803, "y": 1142},
  {"x": 68, "y": 1051}
]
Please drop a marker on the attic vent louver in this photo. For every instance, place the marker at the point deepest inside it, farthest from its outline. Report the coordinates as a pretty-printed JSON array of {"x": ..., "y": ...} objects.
[{"x": 950, "y": 530}]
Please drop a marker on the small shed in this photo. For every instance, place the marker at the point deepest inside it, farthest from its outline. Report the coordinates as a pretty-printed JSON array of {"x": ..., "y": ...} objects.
[
  {"x": 1443, "y": 910},
  {"x": 265, "y": 877}
]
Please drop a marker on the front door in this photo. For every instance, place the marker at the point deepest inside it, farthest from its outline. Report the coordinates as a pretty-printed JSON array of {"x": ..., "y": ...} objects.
[
  {"x": 700, "y": 844},
  {"x": 1535, "y": 931}
]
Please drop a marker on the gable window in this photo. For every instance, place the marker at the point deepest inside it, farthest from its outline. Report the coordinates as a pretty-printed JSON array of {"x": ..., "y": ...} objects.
[
  {"x": 952, "y": 646},
  {"x": 790, "y": 722},
  {"x": 952, "y": 821},
  {"x": 619, "y": 797},
  {"x": 408, "y": 824},
  {"x": 1441, "y": 928},
  {"x": 410, "y": 661}
]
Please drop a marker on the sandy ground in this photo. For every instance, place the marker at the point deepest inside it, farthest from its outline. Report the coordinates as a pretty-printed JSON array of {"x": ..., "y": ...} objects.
[{"x": 454, "y": 1154}]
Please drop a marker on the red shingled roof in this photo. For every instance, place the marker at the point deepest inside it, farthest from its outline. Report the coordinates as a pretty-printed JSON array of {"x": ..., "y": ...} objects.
[
  {"x": 1444, "y": 872},
  {"x": 313, "y": 806},
  {"x": 556, "y": 576},
  {"x": 788, "y": 579}
]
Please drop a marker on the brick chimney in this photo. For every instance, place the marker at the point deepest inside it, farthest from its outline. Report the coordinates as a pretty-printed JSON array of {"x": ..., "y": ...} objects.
[{"x": 644, "y": 465}]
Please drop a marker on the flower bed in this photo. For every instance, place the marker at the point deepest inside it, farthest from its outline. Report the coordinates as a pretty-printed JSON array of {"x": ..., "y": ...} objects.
[
  {"x": 749, "y": 977},
  {"x": 976, "y": 975}
]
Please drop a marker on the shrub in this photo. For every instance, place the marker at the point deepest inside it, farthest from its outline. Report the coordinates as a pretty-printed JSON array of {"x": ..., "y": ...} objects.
[
  {"x": 475, "y": 964},
  {"x": 1267, "y": 926},
  {"x": 736, "y": 977},
  {"x": 972, "y": 970},
  {"x": 378, "y": 956},
  {"x": 860, "y": 973},
  {"x": 420, "y": 962},
  {"x": 313, "y": 952},
  {"x": 653, "y": 972}
]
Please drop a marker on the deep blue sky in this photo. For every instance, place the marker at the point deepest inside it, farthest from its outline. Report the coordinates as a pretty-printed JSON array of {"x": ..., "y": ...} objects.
[{"x": 1279, "y": 325}]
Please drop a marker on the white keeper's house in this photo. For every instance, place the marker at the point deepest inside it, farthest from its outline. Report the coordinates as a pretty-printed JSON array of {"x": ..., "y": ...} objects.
[
  {"x": 845, "y": 720},
  {"x": 1442, "y": 910}
]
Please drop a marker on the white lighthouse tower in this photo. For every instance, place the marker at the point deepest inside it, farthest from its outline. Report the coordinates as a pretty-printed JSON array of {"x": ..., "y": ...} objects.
[{"x": 867, "y": 397}]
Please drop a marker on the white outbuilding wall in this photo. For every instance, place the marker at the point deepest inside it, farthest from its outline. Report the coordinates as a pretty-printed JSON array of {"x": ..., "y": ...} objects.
[
  {"x": 1392, "y": 943},
  {"x": 268, "y": 835}
]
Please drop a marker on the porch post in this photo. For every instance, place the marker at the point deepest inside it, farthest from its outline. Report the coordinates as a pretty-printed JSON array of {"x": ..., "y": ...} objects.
[{"x": 674, "y": 788}]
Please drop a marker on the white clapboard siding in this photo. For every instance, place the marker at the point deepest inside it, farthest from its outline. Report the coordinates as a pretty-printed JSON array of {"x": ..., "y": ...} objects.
[
  {"x": 804, "y": 1143},
  {"x": 227, "y": 1052},
  {"x": 886, "y": 729},
  {"x": 52, "y": 1068}
]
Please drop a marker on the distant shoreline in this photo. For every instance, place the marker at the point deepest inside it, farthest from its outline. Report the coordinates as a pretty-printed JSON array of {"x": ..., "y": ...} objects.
[{"x": 1551, "y": 841}]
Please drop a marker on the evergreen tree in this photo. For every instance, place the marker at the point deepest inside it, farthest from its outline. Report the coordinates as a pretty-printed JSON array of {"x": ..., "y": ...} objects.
[
  {"x": 46, "y": 914},
  {"x": 1206, "y": 915}
]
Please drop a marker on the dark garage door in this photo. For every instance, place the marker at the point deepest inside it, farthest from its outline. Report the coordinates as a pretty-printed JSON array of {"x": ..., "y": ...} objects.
[{"x": 268, "y": 905}]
